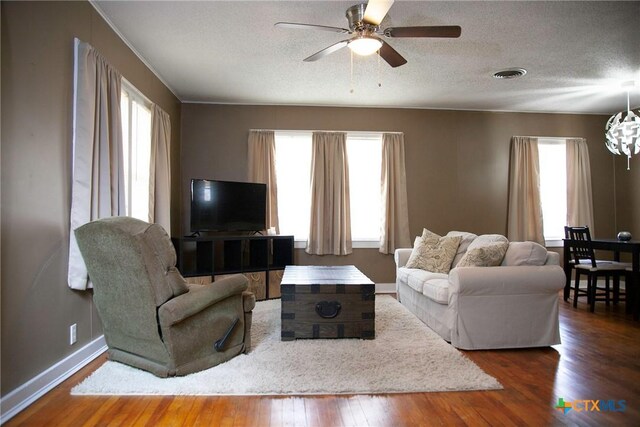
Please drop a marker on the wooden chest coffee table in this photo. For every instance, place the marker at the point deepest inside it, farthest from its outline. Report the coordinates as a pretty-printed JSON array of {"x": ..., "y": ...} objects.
[{"x": 327, "y": 302}]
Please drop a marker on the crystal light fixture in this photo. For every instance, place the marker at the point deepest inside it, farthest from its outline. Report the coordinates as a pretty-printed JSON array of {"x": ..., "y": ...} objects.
[
  {"x": 622, "y": 131},
  {"x": 365, "y": 45}
]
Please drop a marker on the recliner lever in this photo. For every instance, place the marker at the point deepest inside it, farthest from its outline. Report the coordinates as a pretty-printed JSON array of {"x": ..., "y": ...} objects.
[{"x": 219, "y": 345}]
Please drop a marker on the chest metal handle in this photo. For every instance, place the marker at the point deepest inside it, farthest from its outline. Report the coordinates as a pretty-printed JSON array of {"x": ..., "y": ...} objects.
[{"x": 328, "y": 309}]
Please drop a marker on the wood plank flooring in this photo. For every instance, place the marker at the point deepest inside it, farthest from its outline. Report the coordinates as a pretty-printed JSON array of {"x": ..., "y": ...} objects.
[{"x": 599, "y": 359}]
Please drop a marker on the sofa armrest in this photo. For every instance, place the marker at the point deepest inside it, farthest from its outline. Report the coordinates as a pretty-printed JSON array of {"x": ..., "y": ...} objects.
[
  {"x": 199, "y": 298},
  {"x": 553, "y": 258},
  {"x": 506, "y": 280},
  {"x": 401, "y": 256}
]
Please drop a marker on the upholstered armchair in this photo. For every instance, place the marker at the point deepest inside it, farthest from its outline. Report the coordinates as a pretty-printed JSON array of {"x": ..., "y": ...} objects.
[{"x": 151, "y": 318}]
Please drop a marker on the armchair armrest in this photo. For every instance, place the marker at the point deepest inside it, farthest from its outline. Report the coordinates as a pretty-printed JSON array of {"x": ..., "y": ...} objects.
[
  {"x": 506, "y": 280},
  {"x": 197, "y": 299},
  {"x": 401, "y": 256}
]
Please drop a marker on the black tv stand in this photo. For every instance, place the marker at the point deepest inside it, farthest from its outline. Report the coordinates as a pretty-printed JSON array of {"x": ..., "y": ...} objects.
[{"x": 220, "y": 255}]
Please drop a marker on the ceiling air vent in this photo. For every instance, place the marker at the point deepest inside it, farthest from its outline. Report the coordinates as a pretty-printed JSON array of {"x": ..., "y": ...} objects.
[{"x": 511, "y": 73}]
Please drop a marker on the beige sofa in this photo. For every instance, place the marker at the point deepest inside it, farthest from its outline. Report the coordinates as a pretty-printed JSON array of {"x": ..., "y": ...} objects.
[{"x": 512, "y": 305}]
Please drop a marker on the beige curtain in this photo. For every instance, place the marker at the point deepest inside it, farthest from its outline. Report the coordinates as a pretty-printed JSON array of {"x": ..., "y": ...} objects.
[
  {"x": 262, "y": 169},
  {"x": 524, "y": 218},
  {"x": 97, "y": 187},
  {"x": 160, "y": 172},
  {"x": 579, "y": 195},
  {"x": 394, "y": 231},
  {"x": 330, "y": 223}
]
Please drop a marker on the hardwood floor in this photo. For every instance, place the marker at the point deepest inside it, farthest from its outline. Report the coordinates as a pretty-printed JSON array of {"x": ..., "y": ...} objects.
[{"x": 599, "y": 359}]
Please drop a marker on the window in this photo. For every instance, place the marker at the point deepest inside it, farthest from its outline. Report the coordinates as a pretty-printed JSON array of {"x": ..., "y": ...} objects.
[
  {"x": 552, "y": 154},
  {"x": 136, "y": 141},
  {"x": 364, "y": 152},
  {"x": 293, "y": 171}
]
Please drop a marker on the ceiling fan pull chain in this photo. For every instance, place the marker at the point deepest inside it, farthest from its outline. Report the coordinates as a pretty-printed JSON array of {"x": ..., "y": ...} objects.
[
  {"x": 379, "y": 73},
  {"x": 351, "y": 77}
]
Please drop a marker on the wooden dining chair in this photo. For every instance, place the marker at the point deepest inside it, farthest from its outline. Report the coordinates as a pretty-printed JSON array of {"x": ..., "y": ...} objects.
[{"x": 584, "y": 262}]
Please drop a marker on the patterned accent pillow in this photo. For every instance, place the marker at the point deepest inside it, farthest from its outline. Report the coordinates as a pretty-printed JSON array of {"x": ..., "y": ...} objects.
[
  {"x": 467, "y": 239},
  {"x": 489, "y": 255},
  {"x": 433, "y": 253}
]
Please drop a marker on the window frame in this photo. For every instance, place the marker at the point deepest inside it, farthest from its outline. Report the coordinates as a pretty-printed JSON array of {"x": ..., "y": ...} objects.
[{"x": 135, "y": 96}]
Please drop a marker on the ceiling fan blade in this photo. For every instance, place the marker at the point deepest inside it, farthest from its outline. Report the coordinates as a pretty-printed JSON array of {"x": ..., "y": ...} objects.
[
  {"x": 298, "y": 26},
  {"x": 376, "y": 11},
  {"x": 432, "y": 31},
  {"x": 326, "y": 51},
  {"x": 390, "y": 55}
]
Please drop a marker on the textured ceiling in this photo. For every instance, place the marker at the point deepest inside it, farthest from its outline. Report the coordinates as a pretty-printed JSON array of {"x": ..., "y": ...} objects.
[{"x": 577, "y": 54}]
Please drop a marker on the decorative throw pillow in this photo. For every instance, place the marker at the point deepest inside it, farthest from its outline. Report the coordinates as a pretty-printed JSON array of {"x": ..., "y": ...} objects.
[
  {"x": 467, "y": 238},
  {"x": 485, "y": 239},
  {"x": 433, "y": 253},
  {"x": 489, "y": 255},
  {"x": 525, "y": 253}
]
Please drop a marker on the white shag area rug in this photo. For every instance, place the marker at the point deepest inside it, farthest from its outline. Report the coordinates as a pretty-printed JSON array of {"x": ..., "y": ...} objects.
[{"x": 406, "y": 356}]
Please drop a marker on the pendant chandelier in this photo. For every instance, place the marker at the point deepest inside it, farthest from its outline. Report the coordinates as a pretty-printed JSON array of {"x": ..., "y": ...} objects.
[{"x": 622, "y": 132}]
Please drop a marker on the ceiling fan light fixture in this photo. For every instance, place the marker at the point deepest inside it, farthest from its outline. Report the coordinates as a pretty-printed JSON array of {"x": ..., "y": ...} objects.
[{"x": 365, "y": 45}]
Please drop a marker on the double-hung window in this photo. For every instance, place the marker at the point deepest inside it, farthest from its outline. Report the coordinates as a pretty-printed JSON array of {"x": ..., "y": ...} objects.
[
  {"x": 136, "y": 141},
  {"x": 293, "y": 171}
]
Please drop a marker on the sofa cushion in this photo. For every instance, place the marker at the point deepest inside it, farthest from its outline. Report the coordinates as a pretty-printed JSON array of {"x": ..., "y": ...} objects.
[
  {"x": 467, "y": 238},
  {"x": 489, "y": 255},
  {"x": 433, "y": 253},
  {"x": 437, "y": 289},
  {"x": 525, "y": 253},
  {"x": 415, "y": 277}
]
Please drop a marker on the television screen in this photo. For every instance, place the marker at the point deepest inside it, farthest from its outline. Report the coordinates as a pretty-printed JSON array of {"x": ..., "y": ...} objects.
[{"x": 227, "y": 206}]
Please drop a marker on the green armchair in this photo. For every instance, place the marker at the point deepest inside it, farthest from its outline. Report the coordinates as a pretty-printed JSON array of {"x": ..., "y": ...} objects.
[{"x": 151, "y": 318}]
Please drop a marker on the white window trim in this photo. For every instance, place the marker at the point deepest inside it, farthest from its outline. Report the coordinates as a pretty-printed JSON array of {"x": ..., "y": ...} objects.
[
  {"x": 356, "y": 244},
  {"x": 135, "y": 94},
  {"x": 554, "y": 243}
]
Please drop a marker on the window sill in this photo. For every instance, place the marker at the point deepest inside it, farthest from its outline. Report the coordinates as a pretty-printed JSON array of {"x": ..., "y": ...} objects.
[
  {"x": 356, "y": 244},
  {"x": 557, "y": 243}
]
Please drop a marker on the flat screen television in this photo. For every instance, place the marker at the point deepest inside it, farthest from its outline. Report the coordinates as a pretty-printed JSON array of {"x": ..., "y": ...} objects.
[{"x": 227, "y": 206}]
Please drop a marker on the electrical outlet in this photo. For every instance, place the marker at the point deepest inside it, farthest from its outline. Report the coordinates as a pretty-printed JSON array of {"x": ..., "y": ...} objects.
[{"x": 72, "y": 334}]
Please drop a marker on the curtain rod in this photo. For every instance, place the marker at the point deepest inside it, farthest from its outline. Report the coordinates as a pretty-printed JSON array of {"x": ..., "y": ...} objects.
[
  {"x": 549, "y": 137},
  {"x": 317, "y": 130}
]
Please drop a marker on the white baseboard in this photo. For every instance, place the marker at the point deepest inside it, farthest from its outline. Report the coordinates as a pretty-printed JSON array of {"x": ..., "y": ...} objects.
[
  {"x": 29, "y": 392},
  {"x": 385, "y": 288}
]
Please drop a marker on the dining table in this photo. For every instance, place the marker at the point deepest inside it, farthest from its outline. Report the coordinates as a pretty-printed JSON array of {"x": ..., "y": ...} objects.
[{"x": 616, "y": 247}]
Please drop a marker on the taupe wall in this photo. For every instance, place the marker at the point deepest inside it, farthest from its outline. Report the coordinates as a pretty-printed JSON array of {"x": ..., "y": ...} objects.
[
  {"x": 37, "y": 63},
  {"x": 457, "y": 161},
  {"x": 628, "y": 195}
]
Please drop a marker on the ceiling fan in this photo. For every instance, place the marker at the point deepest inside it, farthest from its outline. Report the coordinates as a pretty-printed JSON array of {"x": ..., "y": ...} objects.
[{"x": 364, "y": 24}]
